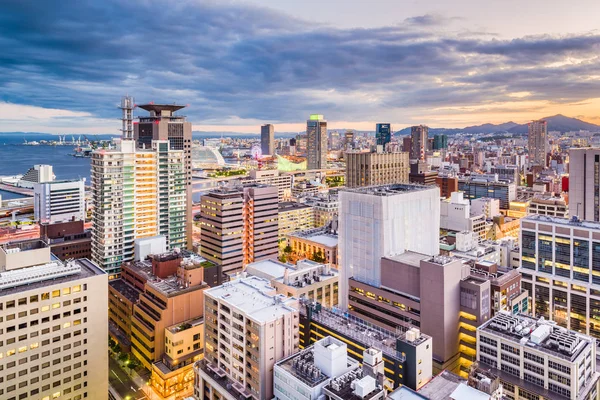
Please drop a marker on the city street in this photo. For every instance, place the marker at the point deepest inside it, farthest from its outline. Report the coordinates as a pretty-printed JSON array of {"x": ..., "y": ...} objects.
[{"x": 123, "y": 384}]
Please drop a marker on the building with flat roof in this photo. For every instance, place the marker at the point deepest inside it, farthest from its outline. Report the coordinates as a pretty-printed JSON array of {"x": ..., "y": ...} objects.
[
  {"x": 418, "y": 142},
  {"x": 307, "y": 279},
  {"x": 270, "y": 177},
  {"x": 267, "y": 139},
  {"x": 560, "y": 266},
  {"x": 67, "y": 239},
  {"x": 316, "y": 132},
  {"x": 248, "y": 328},
  {"x": 325, "y": 207},
  {"x": 59, "y": 201},
  {"x": 456, "y": 215},
  {"x": 477, "y": 186},
  {"x": 294, "y": 217},
  {"x": 538, "y": 359},
  {"x": 54, "y": 326},
  {"x": 584, "y": 178},
  {"x": 318, "y": 241},
  {"x": 552, "y": 206},
  {"x": 406, "y": 353},
  {"x": 379, "y": 221},
  {"x": 376, "y": 168},
  {"x": 383, "y": 134}
]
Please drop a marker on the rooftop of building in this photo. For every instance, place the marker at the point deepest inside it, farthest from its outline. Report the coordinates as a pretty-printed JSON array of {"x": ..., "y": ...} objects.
[
  {"x": 391, "y": 190},
  {"x": 541, "y": 335},
  {"x": 291, "y": 206},
  {"x": 222, "y": 379},
  {"x": 363, "y": 331},
  {"x": 291, "y": 275},
  {"x": 410, "y": 258},
  {"x": 23, "y": 245},
  {"x": 322, "y": 236},
  {"x": 160, "y": 107},
  {"x": 185, "y": 325},
  {"x": 128, "y": 291},
  {"x": 405, "y": 393},
  {"x": 255, "y": 297},
  {"x": 354, "y": 385},
  {"x": 55, "y": 272},
  {"x": 442, "y": 386},
  {"x": 302, "y": 364},
  {"x": 573, "y": 222}
]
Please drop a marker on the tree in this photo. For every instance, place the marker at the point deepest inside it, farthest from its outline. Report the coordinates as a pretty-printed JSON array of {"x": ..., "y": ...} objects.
[
  {"x": 287, "y": 249},
  {"x": 282, "y": 258},
  {"x": 123, "y": 357},
  {"x": 318, "y": 257}
]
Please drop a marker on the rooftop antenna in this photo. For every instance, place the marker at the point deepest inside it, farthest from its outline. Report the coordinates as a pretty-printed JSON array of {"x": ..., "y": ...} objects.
[{"x": 127, "y": 106}]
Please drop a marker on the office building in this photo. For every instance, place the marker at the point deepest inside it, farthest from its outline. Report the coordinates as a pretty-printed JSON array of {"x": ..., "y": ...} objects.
[
  {"x": 560, "y": 265},
  {"x": 552, "y": 206},
  {"x": 584, "y": 183},
  {"x": 440, "y": 142},
  {"x": 383, "y": 134},
  {"x": 376, "y": 168},
  {"x": 136, "y": 193},
  {"x": 55, "y": 325},
  {"x": 248, "y": 328},
  {"x": 156, "y": 309},
  {"x": 294, "y": 217},
  {"x": 316, "y": 131},
  {"x": 164, "y": 124},
  {"x": 267, "y": 140},
  {"x": 407, "y": 354},
  {"x": 239, "y": 226},
  {"x": 447, "y": 185},
  {"x": 318, "y": 241},
  {"x": 476, "y": 186},
  {"x": 418, "y": 142},
  {"x": 538, "y": 143},
  {"x": 379, "y": 221},
  {"x": 307, "y": 279},
  {"x": 67, "y": 239},
  {"x": 507, "y": 172},
  {"x": 536, "y": 359},
  {"x": 270, "y": 177},
  {"x": 59, "y": 201}
]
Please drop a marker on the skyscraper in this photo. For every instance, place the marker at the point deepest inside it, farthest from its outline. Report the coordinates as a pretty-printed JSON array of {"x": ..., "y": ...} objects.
[
  {"x": 584, "y": 183},
  {"x": 538, "y": 143},
  {"x": 136, "y": 193},
  {"x": 440, "y": 142},
  {"x": 349, "y": 140},
  {"x": 418, "y": 137},
  {"x": 163, "y": 124},
  {"x": 267, "y": 140},
  {"x": 383, "y": 134},
  {"x": 239, "y": 226},
  {"x": 316, "y": 130}
]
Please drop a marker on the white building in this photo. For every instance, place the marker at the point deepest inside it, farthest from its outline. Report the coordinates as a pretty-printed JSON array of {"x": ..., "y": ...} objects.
[
  {"x": 487, "y": 206},
  {"x": 304, "y": 375},
  {"x": 37, "y": 174},
  {"x": 456, "y": 215},
  {"x": 381, "y": 221},
  {"x": 59, "y": 201},
  {"x": 537, "y": 359},
  {"x": 54, "y": 324},
  {"x": 468, "y": 247},
  {"x": 552, "y": 206}
]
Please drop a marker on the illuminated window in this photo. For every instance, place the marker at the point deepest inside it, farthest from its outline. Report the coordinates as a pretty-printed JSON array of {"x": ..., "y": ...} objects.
[
  {"x": 77, "y": 288},
  {"x": 77, "y": 322},
  {"x": 56, "y": 395},
  {"x": 22, "y": 349},
  {"x": 45, "y": 296},
  {"x": 34, "y": 345},
  {"x": 45, "y": 308},
  {"x": 56, "y": 305},
  {"x": 66, "y": 291},
  {"x": 66, "y": 325},
  {"x": 10, "y": 353},
  {"x": 56, "y": 293}
]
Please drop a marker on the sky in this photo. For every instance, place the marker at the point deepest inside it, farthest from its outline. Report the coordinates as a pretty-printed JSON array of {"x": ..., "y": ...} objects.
[{"x": 240, "y": 63}]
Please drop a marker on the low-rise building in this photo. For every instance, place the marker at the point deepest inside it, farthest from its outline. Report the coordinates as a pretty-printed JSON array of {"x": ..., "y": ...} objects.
[
  {"x": 552, "y": 206},
  {"x": 67, "y": 239},
  {"x": 323, "y": 241}
]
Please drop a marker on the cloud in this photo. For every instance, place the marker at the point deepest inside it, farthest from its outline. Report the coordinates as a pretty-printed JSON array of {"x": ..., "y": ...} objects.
[{"x": 239, "y": 64}]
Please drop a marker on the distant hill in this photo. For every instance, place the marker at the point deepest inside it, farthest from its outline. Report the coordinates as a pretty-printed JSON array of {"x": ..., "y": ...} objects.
[{"x": 555, "y": 123}]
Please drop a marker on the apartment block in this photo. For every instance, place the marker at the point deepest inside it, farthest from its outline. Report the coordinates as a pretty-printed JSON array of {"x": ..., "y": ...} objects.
[
  {"x": 59, "y": 201},
  {"x": 54, "y": 325},
  {"x": 406, "y": 354},
  {"x": 584, "y": 183},
  {"x": 560, "y": 267},
  {"x": 136, "y": 193},
  {"x": 294, "y": 217},
  {"x": 239, "y": 226},
  {"x": 248, "y": 328},
  {"x": 307, "y": 279},
  {"x": 376, "y": 168},
  {"x": 536, "y": 359}
]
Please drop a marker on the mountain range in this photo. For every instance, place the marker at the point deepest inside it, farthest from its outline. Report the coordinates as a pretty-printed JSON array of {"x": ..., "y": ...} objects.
[{"x": 555, "y": 123}]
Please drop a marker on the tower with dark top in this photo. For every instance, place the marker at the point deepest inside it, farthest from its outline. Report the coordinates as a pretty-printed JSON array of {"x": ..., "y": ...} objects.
[{"x": 164, "y": 124}]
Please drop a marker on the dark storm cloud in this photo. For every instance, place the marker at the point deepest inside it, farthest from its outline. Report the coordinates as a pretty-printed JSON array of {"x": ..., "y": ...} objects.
[{"x": 250, "y": 62}]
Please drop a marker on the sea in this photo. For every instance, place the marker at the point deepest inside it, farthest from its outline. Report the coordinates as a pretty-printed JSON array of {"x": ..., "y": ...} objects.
[{"x": 16, "y": 158}]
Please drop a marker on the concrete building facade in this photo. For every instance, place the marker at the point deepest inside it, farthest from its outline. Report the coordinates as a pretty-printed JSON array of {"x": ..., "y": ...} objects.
[
  {"x": 376, "y": 168},
  {"x": 584, "y": 183},
  {"x": 59, "y": 201},
  {"x": 537, "y": 142}
]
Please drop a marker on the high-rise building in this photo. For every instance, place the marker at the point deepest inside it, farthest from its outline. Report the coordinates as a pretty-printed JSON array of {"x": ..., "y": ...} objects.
[
  {"x": 349, "y": 140},
  {"x": 538, "y": 143},
  {"x": 163, "y": 124},
  {"x": 383, "y": 134},
  {"x": 248, "y": 328},
  {"x": 379, "y": 221},
  {"x": 59, "y": 201},
  {"x": 239, "y": 226},
  {"x": 584, "y": 183},
  {"x": 418, "y": 138},
  {"x": 136, "y": 193},
  {"x": 440, "y": 142},
  {"x": 55, "y": 325},
  {"x": 267, "y": 140},
  {"x": 316, "y": 131},
  {"x": 560, "y": 265},
  {"x": 536, "y": 359},
  {"x": 376, "y": 168}
]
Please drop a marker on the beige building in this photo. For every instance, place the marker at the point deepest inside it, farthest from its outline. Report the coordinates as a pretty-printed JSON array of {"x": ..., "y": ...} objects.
[
  {"x": 376, "y": 168},
  {"x": 306, "y": 244},
  {"x": 325, "y": 207},
  {"x": 294, "y": 217},
  {"x": 271, "y": 177},
  {"x": 53, "y": 325},
  {"x": 308, "y": 279},
  {"x": 248, "y": 329}
]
